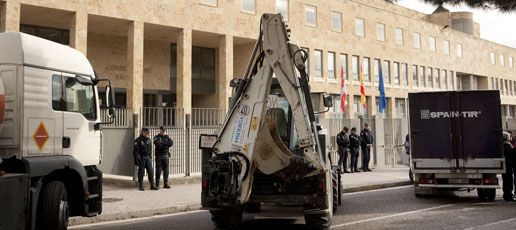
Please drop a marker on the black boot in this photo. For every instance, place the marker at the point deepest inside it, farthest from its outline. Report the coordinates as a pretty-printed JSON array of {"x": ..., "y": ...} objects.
[
  {"x": 152, "y": 187},
  {"x": 166, "y": 185},
  {"x": 157, "y": 183},
  {"x": 140, "y": 187}
]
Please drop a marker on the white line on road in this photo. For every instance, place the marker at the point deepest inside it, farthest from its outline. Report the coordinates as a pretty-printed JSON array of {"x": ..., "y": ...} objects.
[
  {"x": 493, "y": 223},
  {"x": 135, "y": 219},
  {"x": 395, "y": 215}
]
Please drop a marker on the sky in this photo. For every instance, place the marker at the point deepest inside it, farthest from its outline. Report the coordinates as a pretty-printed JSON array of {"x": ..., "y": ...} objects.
[{"x": 494, "y": 25}]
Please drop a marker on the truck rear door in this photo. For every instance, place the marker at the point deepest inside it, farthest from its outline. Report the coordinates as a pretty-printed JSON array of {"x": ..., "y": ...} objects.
[
  {"x": 431, "y": 133},
  {"x": 480, "y": 129}
]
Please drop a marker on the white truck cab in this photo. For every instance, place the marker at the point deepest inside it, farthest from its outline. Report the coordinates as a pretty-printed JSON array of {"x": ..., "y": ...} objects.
[{"x": 49, "y": 133}]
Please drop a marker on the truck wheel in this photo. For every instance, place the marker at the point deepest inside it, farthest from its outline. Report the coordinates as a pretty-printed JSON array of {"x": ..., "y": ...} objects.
[
  {"x": 340, "y": 188},
  {"x": 481, "y": 193},
  {"x": 227, "y": 218},
  {"x": 53, "y": 210},
  {"x": 253, "y": 207},
  {"x": 490, "y": 193},
  {"x": 335, "y": 190},
  {"x": 318, "y": 221}
]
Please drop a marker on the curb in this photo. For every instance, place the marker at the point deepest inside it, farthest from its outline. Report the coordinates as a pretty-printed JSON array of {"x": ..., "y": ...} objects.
[
  {"x": 192, "y": 207},
  {"x": 127, "y": 182},
  {"x": 375, "y": 186},
  {"x": 131, "y": 215}
]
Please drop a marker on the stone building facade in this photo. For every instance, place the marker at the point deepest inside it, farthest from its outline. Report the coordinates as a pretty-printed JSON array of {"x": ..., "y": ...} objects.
[{"x": 183, "y": 53}]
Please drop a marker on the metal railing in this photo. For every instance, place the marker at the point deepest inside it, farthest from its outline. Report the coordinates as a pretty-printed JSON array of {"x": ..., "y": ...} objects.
[{"x": 123, "y": 118}]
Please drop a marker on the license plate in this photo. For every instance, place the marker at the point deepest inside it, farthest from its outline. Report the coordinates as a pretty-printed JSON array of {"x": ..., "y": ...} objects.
[{"x": 458, "y": 181}]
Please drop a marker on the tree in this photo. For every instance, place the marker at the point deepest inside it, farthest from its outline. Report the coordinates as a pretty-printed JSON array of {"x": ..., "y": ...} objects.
[{"x": 502, "y": 5}]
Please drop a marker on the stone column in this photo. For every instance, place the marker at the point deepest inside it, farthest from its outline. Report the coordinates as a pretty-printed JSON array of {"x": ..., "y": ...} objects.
[
  {"x": 10, "y": 16},
  {"x": 225, "y": 70},
  {"x": 79, "y": 31},
  {"x": 184, "y": 70},
  {"x": 135, "y": 39}
]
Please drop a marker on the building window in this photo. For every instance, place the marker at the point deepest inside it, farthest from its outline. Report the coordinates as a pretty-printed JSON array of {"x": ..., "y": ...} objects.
[
  {"x": 282, "y": 8},
  {"x": 510, "y": 63},
  {"x": 336, "y": 19},
  {"x": 438, "y": 79},
  {"x": 493, "y": 59},
  {"x": 459, "y": 50},
  {"x": 248, "y": 6},
  {"x": 422, "y": 80},
  {"x": 396, "y": 72},
  {"x": 366, "y": 70},
  {"x": 359, "y": 27},
  {"x": 311, "y": 15},
  {"x": 331, "y": 65},
  {"x": 344, "y": 65},
  {"x": 452, "y": 78},
  {"x": 355, "y": 66},
  {"x": 376, "y": 69},
  {"x": 415, "y": 81},
  {"x": 502, "y": 60},
  {"x": 53, "y": 34},
  {"x": 514, "y": 88},
  {"x": 417, "y": 40},
  {"x": 356, "y": 106},
  {"x": 404, "y": 73},
  {"x": 307, "y": 64},
  {"x": 431, "y": 41},
  {"x": 430, "y": 77},
  {"x": 400, "y": 108},
  {"x": 446, "y": 47},
  {"x": 209, "y": 2},
  {"x": 492, "y": 83},
  {"x": 380, "y": 32},
  {"x": 399, "y": 36},
  {"x": 318, "y": 63},
  {"x": 386, "y": 72}
]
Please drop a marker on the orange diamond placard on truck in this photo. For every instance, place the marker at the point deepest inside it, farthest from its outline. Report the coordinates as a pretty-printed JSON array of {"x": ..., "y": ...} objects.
[{"x": 41, "y": 136}]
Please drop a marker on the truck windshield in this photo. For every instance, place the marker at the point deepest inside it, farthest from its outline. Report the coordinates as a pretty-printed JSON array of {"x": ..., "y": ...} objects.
[{"x": 80, "y": 98}]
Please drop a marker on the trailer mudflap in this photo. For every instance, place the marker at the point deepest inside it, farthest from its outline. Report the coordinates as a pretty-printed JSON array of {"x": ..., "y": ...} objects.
[{"x": 14, "y": 197}]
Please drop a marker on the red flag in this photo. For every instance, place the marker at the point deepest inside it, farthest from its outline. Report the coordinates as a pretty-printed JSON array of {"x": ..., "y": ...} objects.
[
  {"x": 343, "y": 93},
  {"x": 362, "y": 89}
]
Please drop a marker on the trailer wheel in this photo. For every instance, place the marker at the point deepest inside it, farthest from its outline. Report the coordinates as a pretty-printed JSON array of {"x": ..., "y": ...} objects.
[
  {"x": 490, "y": 193},
  {"x": 53, "y": 209},
  {"x": 335, "y": 190},
  {"x": 228, "y": 217},
  {"x": 481, "y": 193},
  {"x": 253, "y": 207}
]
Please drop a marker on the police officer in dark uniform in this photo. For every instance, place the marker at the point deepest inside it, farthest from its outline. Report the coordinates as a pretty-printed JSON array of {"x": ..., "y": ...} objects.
[
  {"x": 343, "y": 144},
  {"x": 142, "y": 158},
  {"x": 367, "y": 142},
  {"x": 354, "y": 146},
  {"x": 507, "y": 177},
  {"x": 162, "y": 143}
]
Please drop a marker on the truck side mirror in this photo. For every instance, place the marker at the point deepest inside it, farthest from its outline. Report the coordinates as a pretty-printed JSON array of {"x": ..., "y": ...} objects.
[
  {"x": 110, "y": 101},
  {"x": 327, "y": 100}
]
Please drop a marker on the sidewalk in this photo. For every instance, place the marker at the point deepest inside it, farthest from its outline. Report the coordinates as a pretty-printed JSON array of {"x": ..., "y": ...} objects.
[{"x": 122, "y": 200}]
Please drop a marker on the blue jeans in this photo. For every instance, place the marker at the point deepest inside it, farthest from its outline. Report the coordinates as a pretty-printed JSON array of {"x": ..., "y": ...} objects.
[
  {"x": 145, "y": 163},
  {"x": 162, "y": 164}
]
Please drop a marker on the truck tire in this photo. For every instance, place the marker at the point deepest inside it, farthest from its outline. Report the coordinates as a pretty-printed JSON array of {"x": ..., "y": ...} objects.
[
  {"x": 481, "y": 193},
  {"x": 228, "y": 217},
  {"x": 340, "y": 188},
  {"x": 253, "y": 207},
  {"x": 335, "y": 190},
  {"x": 318, "y": 221},
  {"x": 490, "y": 193},
  {"x": 53, "y": 209}
]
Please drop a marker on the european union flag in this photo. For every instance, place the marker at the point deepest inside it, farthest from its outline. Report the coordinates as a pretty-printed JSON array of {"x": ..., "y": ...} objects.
[{"x": 382, "y": 104}]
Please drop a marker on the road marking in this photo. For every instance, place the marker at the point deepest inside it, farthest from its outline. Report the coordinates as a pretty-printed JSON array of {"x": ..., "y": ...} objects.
[
  {"x": 135, "y": 219},
  {"x": 395, "y": 215},
  {"x": 493, "y": 223},
  {"x": 377, "y": 190}
]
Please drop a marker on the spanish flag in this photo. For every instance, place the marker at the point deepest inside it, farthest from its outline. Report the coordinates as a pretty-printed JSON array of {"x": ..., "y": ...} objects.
[
  {"x": 362, "y": 89},
  {"x": 343, "y": 93}
]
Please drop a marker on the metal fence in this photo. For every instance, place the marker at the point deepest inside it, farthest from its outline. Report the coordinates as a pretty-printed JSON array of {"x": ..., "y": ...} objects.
[{"x": 123, "y": 118}]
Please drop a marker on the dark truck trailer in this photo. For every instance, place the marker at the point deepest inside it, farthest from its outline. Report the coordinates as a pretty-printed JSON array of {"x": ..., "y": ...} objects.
[{"x": 456, "y": 141}]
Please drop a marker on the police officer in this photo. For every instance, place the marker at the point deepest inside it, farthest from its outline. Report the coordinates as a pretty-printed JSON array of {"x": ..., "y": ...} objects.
[
  {"x": 142, "y": 158},
  {"x": 507, "y": 177},
  {"x": 162, "y": 145},
  {"x": 354, "y": 146},
  {"x": 367, "y": 142},
  {"x": 343, "y": 143}
]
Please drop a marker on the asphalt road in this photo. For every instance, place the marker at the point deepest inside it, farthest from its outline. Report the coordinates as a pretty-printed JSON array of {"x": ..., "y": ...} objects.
[{"x": 395, "y": 208}]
